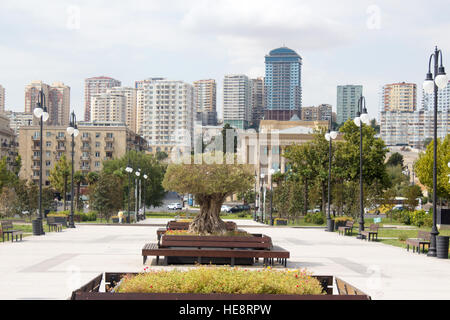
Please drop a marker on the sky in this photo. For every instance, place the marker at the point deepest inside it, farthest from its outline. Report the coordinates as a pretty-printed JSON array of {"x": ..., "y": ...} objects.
[{"x": 370, "y": 43}]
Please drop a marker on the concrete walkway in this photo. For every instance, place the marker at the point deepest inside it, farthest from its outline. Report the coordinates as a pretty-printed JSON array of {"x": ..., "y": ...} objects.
[{"x": 51, "y": 266}]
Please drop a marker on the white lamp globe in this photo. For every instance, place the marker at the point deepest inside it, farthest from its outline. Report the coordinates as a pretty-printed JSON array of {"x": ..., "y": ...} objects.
[
  {"x": 428, "y": 86},
  {"x": 128, "y": 169},
  {"x": 365, "y": 118},
  {"x": 76, "y": 132},
  {"x": 145, "y": 176},
  {"x": 138, "y": 173},
  {"x": 70, "y": 130},
  {"x": 357, "y": 121},
  {"x": 38, "y": 112},
  {"x": 262, "y": 175},
  {"x": 333, "y": 134},
  {"x": 45, "y": 116},
  {"x": 327, "y": 136},
  {"x": 441, "y": 81}
]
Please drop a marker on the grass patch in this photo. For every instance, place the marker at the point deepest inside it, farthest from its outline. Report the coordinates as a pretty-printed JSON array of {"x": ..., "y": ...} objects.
[
  {"x": 27, "y": 230},
  {"x": 206, "y": 280}
]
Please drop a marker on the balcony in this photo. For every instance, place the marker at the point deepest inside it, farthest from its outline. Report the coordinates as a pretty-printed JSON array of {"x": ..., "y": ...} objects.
[
  {"x": 33, "y": 157},
  {"x": 86, "y": 139},
  {"x": 85, "y": 168},
  {"x": 34, "y": 138},
  {"x": 85, "y": 158},
  {"x": 35, "y": 168},
  {"x": 86, "y": 148},
  {"x": 36, "y": 148},
  {"x": 60, "y": 138},
  {"x": 109, "y": 139},
  {"x": 61, "y": 148},
  {"x": 109, "y": 148}
]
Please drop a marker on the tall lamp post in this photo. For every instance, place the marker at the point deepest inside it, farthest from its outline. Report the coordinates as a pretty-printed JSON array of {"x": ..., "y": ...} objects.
[
  {"x": 362, "y": 118},
  {"x": 129, "y": 170},
  {"x": 41, "y": 112},
  {"x": 136, "y": 193},
  {"x": 431, "y": 85},
  {"x": 261, "y": 201},
  {"x": 272, "y": 171},
  {"x": 73, "y": 131},
  {"x": 329, "y": 136},
  {"x": 145, "y": 179},
  {"x": 254, "y": 214}
]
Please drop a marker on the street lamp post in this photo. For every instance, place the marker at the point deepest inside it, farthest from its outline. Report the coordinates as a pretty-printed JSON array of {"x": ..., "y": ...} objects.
[
  {"x": 254, "y": 214},
  {"x": 73, "y": 131},
  {"x": 431, "y": 85},
  {"x": 41, "y": 112},
  {"x": 261, "y": 201},
  {"x": 129, "y": 170},
  {"x": 329, "y": 136},
  {"x": 272, "y": 171},
  {"x": 362, "y": 118},
  {"x": 136, "y": 193},
  {"x": 145, "y": 179}
]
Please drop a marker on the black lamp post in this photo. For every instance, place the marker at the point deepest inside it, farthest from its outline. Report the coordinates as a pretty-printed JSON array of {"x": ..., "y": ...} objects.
[
  {"x": 431, "y": 85},
  {"x": 362, "y": 118},
  {"x": 262, "y": 198},
  {"x": 329, "y": 136},
  {"x": 137, "y": 193},
  {"x": 143, "y": 191},
  {"x": 254, "y": 214},
  {"x": 41, "y": 112},
  {"x": 73, "y": 131}
]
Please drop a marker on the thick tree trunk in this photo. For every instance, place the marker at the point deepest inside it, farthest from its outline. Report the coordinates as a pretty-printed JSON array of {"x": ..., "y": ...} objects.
[{"x": 208, "y": 220}]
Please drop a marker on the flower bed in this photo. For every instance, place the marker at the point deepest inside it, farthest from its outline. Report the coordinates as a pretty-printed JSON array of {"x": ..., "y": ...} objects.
[
  {"x": 236, "y": 233},
  {"x": 207, "y": 283}
]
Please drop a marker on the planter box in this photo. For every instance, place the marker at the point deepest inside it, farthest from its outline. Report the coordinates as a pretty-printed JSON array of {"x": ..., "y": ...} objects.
[
  {"x": 281, "y": 222},
  {"x": 90, "y": 291}
]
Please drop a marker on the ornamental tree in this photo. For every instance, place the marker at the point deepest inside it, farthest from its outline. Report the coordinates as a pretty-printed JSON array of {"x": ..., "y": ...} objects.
[{"x": 211, "y": 184}]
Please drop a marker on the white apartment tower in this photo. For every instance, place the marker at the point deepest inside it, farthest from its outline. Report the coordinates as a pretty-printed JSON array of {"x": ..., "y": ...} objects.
[
  {"x": 94, "y": 86},
  {"x": 130, "y": 95},
  {"x": 165, "y": 113},
  {"x": 237, "y": 101},
  {"x": 108, "y": 107}
]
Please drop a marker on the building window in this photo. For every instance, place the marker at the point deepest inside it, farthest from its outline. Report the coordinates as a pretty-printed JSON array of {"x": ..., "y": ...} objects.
[
  {"x": 97, "y": 134},
  {"x": 97, "y": 164},
  {"x": 97, "y": 154}
]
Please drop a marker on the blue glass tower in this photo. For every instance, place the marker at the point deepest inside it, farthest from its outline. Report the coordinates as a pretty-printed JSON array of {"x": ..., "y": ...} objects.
[{"x": 283, "y": 84}]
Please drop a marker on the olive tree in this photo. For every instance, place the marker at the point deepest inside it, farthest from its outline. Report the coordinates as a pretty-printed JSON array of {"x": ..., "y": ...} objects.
[{"x": 211, "y": 184}]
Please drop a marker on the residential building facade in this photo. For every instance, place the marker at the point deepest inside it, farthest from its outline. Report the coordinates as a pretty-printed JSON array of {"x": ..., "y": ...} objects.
[
  {"x": 165, "y": 113},
  {"x": 96, "y": 143},
  {"x": 237, "y": 102},
  {"x": 258, "y": 101},
  {"x": 347, "y": 102},
  {"x": 399, "y": 97},
  {"x": 283, "y": 86},
  {"x": 95, "y": 86},
  {"x": 443, "y": 102},
  {"x": 8, "y": 141},
  {"x": 205, "y": 98},
  {"x": 108, "y": 107},
  {"x": 322, "y": 112},
  {"x": 18, "y": 119},
  {"x": 2, "y": 99}
]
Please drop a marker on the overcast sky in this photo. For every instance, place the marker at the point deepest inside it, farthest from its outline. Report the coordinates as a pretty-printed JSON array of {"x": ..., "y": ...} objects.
[{"x": 341, "y": 42}]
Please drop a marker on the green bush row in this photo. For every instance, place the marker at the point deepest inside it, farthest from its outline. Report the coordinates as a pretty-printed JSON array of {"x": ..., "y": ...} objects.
[
  {"x": 316, "y": 218},
  {"x": 78, "y": 215},
  {"x": 417, "y": 218}
]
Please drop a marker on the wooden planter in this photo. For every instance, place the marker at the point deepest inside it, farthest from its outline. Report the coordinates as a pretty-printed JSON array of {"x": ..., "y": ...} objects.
[{"x": 90, "y": 291}]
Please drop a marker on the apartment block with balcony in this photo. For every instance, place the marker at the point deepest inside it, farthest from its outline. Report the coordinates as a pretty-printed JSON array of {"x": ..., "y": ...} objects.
[{"x": 96, "y": 143}]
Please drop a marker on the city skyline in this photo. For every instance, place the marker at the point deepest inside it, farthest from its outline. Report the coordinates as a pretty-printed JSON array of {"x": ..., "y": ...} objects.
[{"x": 338, "y": 45}]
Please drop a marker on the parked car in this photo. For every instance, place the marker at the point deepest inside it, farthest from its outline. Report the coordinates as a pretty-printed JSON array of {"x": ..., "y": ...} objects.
[
  {"x": 174, "y": 206},
  {"x": 240, "y": 208},
  {"x": 225, "y": 208}
]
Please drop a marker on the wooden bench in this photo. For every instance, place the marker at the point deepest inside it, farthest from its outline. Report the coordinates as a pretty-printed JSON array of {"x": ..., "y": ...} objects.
[
  {"x": 204, "y": 248},
  {"x": 52, "y": 224},
  {"x": 372, "y": 232},
  {"x": 423, "y": 239},
  {"x": 7, "y": 228},
  {"x": 175, "y": 225},
  {"x": 347, "y": 228}
]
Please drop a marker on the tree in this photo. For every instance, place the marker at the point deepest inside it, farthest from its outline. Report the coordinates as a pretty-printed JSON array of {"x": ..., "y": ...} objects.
[
  {"x": 78, "y": 179},
  {"x": 59, "y": 176},
  {"x": 106, "y": 195},
  {"x": 8, "y": 201},
  {"x": 424, "y": 167},
  {"x": 92, "y": 177},
  {"x": 395, "y": 159},
  {"x": 412, "y": 193},
  {"x": 7, "y": 177},
  {"x": 210, "y": 184}
]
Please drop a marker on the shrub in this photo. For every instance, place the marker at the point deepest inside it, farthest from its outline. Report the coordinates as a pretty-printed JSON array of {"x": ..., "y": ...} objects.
[
  {"x": 343, "y": 219},
  {"x": 315, "y": 218},
  {"x": 206, "y": 280},
  {"x": 402, "y": 237}
]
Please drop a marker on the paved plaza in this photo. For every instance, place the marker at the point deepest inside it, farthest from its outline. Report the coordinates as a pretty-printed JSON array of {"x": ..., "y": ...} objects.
[{"x": 51, "y": 266}]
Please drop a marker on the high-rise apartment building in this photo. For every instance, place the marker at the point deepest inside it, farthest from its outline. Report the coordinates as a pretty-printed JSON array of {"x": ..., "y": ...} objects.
[
  {"x": 57, "y": 101},
  {"x": 237, "y": 101},
  {"x": 130, "y": 95},
  {"x": 165, "y": 113},
  {"x": 2, "y": 99},
  {"x": 258, "y": 101},
  {"x": 283, "y": 84},
  {"x": 205, "y": 99},
  {"x": 443, "y": 99},
  {"x": 399, "y": 97},
  {"x": 18, "y": 119},
  {"x": 347, "y": 102},
  {"x": 94, "y": 86},
  {"x": 108, "y": 107}
]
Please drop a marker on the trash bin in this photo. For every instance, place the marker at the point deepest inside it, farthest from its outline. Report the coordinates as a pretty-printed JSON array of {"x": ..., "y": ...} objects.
[
  {"x": 442, "y": 247},
  {"x": 37, "y": 227},
  {"x": 330, "y": 225}
]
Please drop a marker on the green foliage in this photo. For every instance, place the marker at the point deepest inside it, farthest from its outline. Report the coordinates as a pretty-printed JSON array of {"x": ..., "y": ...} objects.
[
  {"x": 424, "y": 167},
  {"x": 315, "y": 218},
  {"x": 208, "y": 280},
  {"x": 396, "y": 159},
  {"x": 107, "y": 195},
  {"x": 417, "y": 218},
  {"x": 402, "y": 237},
  {"x": 342, "y": 219}
]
